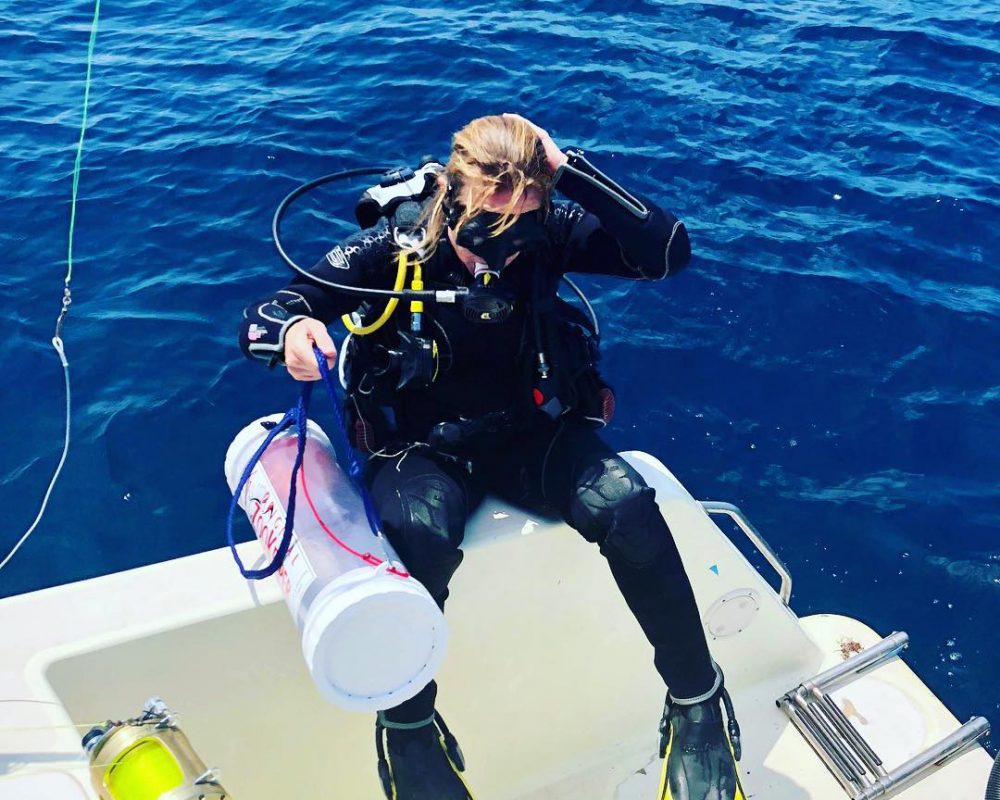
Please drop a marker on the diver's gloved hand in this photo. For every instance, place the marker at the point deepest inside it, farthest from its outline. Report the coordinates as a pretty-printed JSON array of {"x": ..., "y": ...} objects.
[
  {"x": 699, "y": 753},
  {"x": 419, "y": 761}
]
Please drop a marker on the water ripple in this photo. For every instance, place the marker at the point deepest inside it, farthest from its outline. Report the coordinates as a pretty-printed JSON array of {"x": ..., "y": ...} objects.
[{"x": 828, "y": 360}]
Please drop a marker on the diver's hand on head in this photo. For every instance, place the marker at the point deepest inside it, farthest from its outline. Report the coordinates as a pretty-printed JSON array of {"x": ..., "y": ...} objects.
[
  {"x": 299, "y": 340},
  {"x": 555, "y": 156}
]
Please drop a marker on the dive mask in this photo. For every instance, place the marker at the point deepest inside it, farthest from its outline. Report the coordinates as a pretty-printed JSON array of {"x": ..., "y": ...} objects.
[
  {"x": 477, "y": 235},
  {"x": 486, "y": 301}
]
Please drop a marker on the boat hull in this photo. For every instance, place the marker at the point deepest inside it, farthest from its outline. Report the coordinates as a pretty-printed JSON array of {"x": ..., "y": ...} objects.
[{"x": 548, "y": 684}]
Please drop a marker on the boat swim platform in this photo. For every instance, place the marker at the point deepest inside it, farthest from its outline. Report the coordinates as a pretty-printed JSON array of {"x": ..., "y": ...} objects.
[{"x": 548, "y": 682}]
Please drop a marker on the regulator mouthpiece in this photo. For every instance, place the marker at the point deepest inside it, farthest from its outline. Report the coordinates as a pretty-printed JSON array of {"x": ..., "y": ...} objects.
[{"x": 479, "y": 235}]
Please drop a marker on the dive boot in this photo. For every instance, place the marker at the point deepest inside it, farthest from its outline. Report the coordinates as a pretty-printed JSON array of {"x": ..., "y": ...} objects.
[
  {"x": 699, "y": 750},
  {"x": 419, "y": 760}
]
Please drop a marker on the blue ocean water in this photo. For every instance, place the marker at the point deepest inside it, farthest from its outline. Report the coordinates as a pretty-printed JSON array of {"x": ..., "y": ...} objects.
[{"x": 829, "y": 361}]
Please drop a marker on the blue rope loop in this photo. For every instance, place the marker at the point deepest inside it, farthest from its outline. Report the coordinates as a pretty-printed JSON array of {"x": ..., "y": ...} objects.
[{"x": 299, "y": 416}]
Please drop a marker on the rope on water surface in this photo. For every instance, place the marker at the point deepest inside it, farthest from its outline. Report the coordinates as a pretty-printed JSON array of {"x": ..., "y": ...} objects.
[{"x": 67, "y": 297}]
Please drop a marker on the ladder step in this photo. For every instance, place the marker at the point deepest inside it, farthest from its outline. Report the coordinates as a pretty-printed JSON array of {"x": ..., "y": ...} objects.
[{"x": 843, "y": 724}]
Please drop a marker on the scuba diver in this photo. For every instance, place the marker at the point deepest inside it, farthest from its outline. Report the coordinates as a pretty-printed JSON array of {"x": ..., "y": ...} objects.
[{"x": 492, "y": 386}]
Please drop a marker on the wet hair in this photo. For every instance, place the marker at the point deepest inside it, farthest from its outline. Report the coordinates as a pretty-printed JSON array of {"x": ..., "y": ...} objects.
[{"x": 489, "y": 154}]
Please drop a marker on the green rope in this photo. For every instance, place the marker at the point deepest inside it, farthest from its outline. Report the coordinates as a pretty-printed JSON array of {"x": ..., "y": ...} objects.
[
  {"x": 57, "y": 341},
  {"x": 83, "y": 131}
]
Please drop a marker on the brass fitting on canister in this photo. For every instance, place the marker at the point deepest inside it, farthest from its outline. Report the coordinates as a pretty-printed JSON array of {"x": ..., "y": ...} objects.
[{"x": 148, "y": 758}]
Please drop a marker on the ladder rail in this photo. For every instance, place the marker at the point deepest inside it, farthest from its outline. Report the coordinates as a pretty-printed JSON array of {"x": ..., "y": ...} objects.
[
  {"x": 744, "y": 524},
  {"x": 937, "y": 755}
]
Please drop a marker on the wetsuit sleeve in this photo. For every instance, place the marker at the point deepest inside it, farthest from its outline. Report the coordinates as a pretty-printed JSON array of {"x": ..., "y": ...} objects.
[
  {"x": 363, "y": 259},
  {"x": 612, "y": 231}
]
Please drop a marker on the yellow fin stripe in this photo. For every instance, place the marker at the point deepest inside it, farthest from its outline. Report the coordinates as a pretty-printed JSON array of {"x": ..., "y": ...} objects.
[
  {"x": 468, "y": 791},
  {"x": 664, "y": 791}
]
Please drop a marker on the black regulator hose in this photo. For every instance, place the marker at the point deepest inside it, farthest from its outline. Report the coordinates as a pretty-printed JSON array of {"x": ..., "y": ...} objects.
[
  {"x": 281, "y": 210},
  {"x": 993, "y": 784},
  {"x": 405, "y": 294}
]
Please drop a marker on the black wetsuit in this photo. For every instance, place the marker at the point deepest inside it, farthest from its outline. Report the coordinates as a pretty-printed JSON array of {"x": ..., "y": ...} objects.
[{"x": 425, "y": 496}]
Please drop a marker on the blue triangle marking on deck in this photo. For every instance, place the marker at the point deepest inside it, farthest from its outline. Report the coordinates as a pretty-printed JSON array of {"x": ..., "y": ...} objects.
[{"x": 715, "y": 568}]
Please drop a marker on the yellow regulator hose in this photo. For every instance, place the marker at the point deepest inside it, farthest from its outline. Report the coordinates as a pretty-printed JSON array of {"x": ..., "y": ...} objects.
[{"x": 364, "y": 330}]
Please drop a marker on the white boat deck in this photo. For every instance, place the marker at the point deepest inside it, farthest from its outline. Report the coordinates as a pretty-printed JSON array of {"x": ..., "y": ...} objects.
[{"x": 548, "y": 684}]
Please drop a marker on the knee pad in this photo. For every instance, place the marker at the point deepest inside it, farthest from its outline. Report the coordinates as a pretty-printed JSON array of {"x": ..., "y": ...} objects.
[
  {"x": 613, "y": 506},
  {"x": 432, "y": 507},
  {"x": 429, "y": 529}
]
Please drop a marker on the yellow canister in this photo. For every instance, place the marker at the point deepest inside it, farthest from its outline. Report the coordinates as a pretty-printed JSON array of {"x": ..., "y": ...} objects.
[{"x": 148, "y": 758}]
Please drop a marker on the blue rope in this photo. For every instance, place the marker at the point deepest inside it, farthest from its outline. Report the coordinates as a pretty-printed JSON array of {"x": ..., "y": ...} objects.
[
  {"x": 299, "y": 417},
  {"x": 354, "y": 468}
]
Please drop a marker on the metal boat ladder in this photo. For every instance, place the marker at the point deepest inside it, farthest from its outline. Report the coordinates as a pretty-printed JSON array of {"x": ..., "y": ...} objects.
[
  {"x": 844, "y": 750},
  {"x": 815, "y": 714}
]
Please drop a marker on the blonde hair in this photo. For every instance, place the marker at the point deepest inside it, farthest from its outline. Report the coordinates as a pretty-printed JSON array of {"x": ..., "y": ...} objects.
[{"x": 489, "y": 154}]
